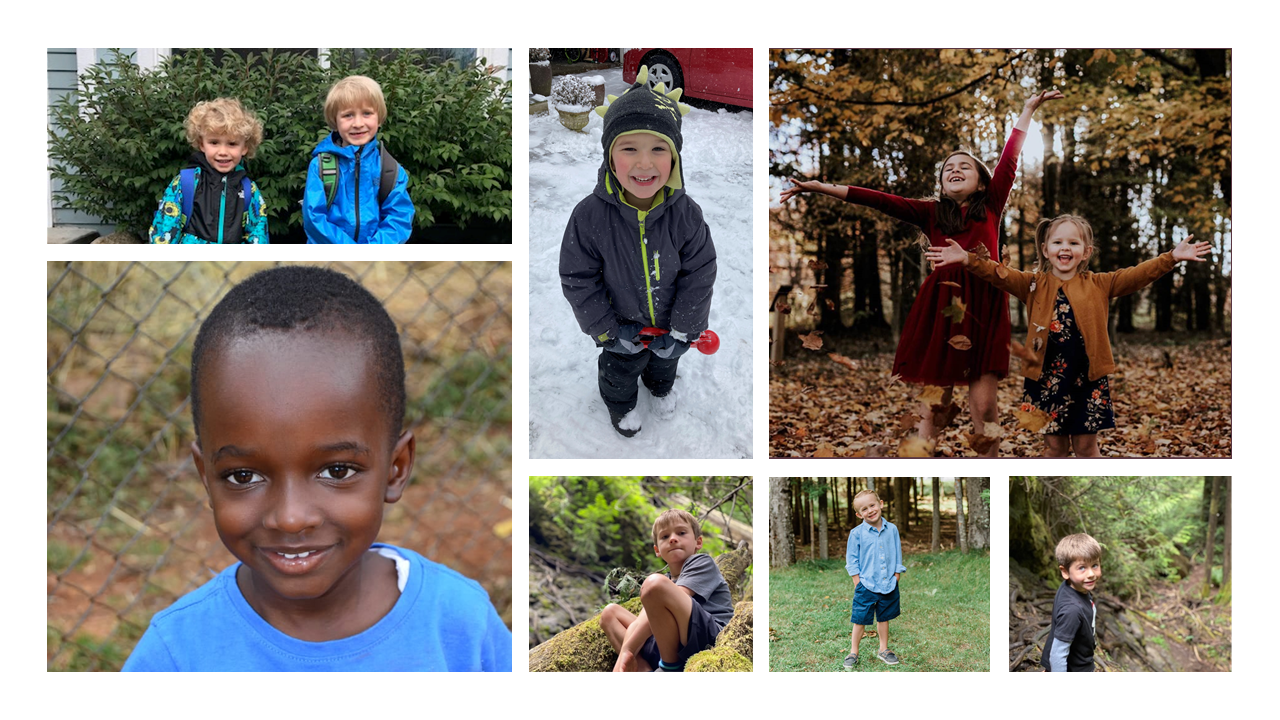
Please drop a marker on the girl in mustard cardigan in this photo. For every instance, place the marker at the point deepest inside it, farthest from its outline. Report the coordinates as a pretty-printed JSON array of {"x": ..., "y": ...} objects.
[{"x": 1067, "y": 355}]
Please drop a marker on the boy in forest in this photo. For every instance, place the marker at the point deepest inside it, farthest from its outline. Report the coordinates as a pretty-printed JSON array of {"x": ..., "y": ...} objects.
[
  {"x": 356, "y": 192},
  {"x": 684, "y": 610},
  {"x": 297, "y": 399},
  {"x": 1069, "y": 647},
  {"x": 639, "y": 211},
  {"x": 874, "y": 560}
]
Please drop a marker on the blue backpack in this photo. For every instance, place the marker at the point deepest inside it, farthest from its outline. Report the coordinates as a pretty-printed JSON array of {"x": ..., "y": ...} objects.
[{"x": 187, "y": 184}]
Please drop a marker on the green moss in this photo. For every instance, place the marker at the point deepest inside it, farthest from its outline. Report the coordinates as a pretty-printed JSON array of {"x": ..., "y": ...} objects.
[
  {"x": 736, "y": 636},
  {"x": 733, "y": 566},
  {"x": 582, "y": 648},
  {"x": 718, "y": 659}
]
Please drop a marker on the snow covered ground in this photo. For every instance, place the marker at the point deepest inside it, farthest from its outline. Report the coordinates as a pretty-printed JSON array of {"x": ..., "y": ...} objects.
[{"x": 567, "y": 418}]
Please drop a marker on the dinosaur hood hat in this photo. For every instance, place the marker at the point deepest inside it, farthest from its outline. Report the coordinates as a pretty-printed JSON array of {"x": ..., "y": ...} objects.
[{"x": 641, "y": 108}]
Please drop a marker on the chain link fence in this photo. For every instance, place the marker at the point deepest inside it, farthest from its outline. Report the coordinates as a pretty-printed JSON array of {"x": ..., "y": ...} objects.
[{"x": 129, "y": 527}]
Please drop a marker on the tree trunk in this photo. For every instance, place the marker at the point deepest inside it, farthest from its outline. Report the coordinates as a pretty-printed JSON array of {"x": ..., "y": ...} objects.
[
  {"x": 822, "y": 521},
  {"x": 961, "y": 540},
  {"x": 904, "y": 504},
  {"x": 979, "y": 513},
  {"x": 1226, "y": 528},
  {"x": 1209, "y": 538},
  {"x": 782, "y": 539},
  {"x": 848, "y": 491},
  {"x": 937, "y": 515},
  {"x": 810, "y": 537}
]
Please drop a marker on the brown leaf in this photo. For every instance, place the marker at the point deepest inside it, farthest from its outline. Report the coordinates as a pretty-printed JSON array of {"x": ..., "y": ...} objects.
[
  {"x": 847, "y": 362},
  {"x": 908, "y": 423},
  {"x": 782, "y": 306},
  {"x": 981, "y": 251},
  {"x": 931, "y": 394},
  {"x": 1021, "y": 351},
  {"x": 955, "y": 310},
  {"x": 812, "y": 341},
  {"x": 950, "y": 283},
  {"x": 1037, "y": 344},
  {"x": 824, "y": 451},
  {"x": 830, "y": 305},
  {"x": 944, "y": 414},
  {"x": 875, "y": 451},
  {"x": 960, "y": 342},
  {"x": 988, "y": 438},
  {"x": 812, "y": 309},
  {"x": 800, "y": 432},
  {"x": 893, "y": 379},
  {"x": 916, "y": 446},
  {"x": 1031, "y": 417},
  {"x": 817, "y": 265}
]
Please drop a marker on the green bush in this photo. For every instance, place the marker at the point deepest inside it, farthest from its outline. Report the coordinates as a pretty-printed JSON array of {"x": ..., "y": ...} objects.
[{"x": 119, "y": 139}]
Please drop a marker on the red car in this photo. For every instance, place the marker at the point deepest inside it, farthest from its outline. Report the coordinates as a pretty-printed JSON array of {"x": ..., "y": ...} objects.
[{"x": 718, "y": 74}]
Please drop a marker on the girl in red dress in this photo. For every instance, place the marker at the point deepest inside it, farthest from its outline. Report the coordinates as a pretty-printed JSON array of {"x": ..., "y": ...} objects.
[{"x": 968, "y": 209}]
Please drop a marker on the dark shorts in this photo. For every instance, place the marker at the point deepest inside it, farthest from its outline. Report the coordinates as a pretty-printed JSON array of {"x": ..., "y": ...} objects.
[
  {"x": 702, "y": 635},
  {"x": 870, "y": 606}
]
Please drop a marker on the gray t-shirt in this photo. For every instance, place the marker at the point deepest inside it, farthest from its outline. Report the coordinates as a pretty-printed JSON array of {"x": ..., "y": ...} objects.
[{"x": 701, "y": 575}]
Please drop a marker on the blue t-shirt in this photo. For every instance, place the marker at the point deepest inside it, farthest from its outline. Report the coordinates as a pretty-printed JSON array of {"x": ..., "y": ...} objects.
[{"x": 442, "y": 621}]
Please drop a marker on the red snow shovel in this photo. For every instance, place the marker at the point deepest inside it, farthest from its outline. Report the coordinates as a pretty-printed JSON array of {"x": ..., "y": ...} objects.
[{"x": 707, "y": 343}]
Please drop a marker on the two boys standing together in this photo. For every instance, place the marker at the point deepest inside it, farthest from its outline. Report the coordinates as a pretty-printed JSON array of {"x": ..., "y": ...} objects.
[{"x": 356, "y": 193}]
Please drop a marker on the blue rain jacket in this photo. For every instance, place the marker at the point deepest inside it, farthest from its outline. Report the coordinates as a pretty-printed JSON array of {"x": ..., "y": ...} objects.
[{"x": 355, "y": 216}]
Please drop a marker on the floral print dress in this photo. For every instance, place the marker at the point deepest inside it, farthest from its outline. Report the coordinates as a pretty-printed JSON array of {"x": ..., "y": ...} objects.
[{"x": 1075, "y": 404}]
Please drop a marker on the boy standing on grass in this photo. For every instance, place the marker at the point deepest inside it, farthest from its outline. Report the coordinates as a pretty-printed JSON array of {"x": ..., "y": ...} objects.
[
  {"x": 874, "y": 559},
  {"x": 297, "y": 398},
  {"x": 684, "y": 610},
  {"x": 1069, "y": 647}
]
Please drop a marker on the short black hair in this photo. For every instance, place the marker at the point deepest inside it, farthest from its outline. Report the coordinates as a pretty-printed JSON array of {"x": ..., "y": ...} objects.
[{"x": 305, "y": 299}]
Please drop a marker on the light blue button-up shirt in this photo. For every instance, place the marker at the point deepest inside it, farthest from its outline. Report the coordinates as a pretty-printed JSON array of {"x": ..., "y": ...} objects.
[{"x": 875, "y": 555}]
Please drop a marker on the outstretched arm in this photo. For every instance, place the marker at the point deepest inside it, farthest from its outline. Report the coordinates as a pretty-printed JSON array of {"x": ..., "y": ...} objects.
[
  {"x": 1033, "y": 102},
  {"x": 1135, "y": 278},
  {"x": 1014, "y": 282},
  {"x": 838, "y": 192}
]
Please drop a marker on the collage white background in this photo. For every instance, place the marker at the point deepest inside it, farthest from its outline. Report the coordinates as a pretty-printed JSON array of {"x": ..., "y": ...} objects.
[{"x": 761, "y": 25}]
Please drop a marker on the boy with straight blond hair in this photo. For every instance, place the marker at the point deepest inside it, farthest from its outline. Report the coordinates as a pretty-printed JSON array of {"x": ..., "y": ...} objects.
[
  {"x": 1069, "y": 647},
  {"x": 873, "y": 558},
  {"x": 684, "y": 610},
  {"x": 356, "y": 192}
]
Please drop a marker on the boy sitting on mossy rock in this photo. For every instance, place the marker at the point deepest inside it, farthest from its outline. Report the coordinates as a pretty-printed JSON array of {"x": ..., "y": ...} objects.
[{"x": 686, "y": 619}]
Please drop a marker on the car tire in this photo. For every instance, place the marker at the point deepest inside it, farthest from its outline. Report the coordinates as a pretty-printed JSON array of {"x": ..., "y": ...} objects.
[{"x": 664, "y": 68}]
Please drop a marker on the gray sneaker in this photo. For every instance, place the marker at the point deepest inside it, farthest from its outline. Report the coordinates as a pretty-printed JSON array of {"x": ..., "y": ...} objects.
[
  {"x": 888, "y": 657},
  {"x": 850, "y": 660}
]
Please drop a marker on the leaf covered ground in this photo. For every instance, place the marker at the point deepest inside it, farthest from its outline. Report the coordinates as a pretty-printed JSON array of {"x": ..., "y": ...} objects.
[{"x": 1171, "y": 400}]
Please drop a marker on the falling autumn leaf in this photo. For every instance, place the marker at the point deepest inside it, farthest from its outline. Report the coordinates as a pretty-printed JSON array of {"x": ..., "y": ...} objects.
[
  {"x": 782, "y": 306},
  {"x": 981, "y": 251},
  {"x": 812, "y": 309},
  {"x": 988, "y": 438},
  {"x": 812, "y": 341},
  {"x": 817, "y": 265},
  {"x": 960, "y": 342},
  {"x": 955, "y": 310},
  {"x": 1031, "y": 417},
  {"x": 847, "y": 362},
  {"x": 908, "y": 423},
  {"x": 830, "y": 305},
  {"x": 916, "y": 446},
  {"x": 950, "y": 283},
  {"x": 943, "y": 415},
  {"x": 931, "y": 394}
]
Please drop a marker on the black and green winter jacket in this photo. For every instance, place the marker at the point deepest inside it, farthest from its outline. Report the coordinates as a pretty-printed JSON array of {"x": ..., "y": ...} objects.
[{"x": 623, "y": 265}]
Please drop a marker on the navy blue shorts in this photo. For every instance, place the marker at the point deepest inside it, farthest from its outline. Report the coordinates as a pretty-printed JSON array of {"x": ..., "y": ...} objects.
[
  {"x": 702, "y": 635},
  {"x": 870, "y": 606}
]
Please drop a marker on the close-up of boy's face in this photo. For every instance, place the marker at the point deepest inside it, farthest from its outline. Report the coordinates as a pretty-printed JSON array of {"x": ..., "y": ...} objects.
[
  {"x": 677, "y": 542},
  {"x": 222, "y": 151},
  {"x": 296, "y": 454},
  {"x": 642, "y": 163},
  {"x": 357, "y": 125},
  {"x": 1083, "y": 574},
  {"x": 868, "y": 508}
]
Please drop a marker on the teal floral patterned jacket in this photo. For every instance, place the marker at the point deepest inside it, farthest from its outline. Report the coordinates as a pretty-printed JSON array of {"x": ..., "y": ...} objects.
[{"x": 169, "y": 224}]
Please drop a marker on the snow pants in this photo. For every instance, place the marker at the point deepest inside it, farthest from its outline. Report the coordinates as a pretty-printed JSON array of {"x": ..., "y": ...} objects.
[{"x": 618, "y": 375}]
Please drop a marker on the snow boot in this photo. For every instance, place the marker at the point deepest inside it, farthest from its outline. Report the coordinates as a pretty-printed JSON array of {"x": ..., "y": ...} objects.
[
  {"x": 664, "y": 406},
  {"x": 626, "y": 425}
]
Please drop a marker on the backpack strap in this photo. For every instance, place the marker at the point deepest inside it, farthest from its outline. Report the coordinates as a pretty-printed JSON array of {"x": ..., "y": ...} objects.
[
  {"x": 187, "y": 188},
  {"x": 390, "y": 173},
  {"x": 329, "y": 176}
]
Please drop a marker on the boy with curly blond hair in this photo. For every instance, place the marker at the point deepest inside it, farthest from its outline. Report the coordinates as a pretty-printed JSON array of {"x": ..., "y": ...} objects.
[{"x": 212, "y": 200}]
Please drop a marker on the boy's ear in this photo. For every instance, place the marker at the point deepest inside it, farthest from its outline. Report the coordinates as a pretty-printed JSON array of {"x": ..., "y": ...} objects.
[
  {"x": 401, "y": 466},
  {"x": 1065, "y": 574}
]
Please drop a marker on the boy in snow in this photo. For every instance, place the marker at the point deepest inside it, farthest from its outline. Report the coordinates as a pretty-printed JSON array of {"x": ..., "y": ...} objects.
[
  {"x": 636, "y": 253},
  {"x": 684, "y": 610},
  {"x": 297, "y": 397},
  {"x": 1069, "y": 647},
  {"x": 873, "y": 558},
  {"x": 213, "y": 200},
  {"x": 356, "y": 192}
]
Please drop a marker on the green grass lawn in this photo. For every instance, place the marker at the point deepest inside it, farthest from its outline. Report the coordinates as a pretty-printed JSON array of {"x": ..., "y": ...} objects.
[{"x": 944, "y": 625}]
